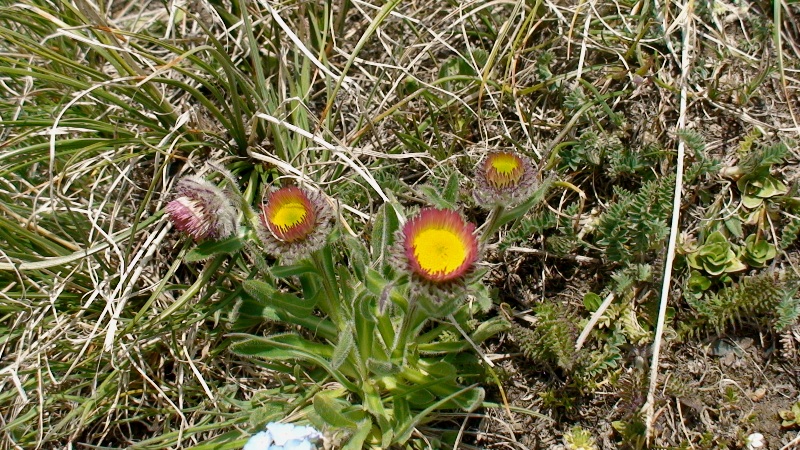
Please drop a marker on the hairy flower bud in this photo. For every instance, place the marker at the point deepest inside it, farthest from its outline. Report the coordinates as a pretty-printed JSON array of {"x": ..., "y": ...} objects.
[{"x": 202, "y": 210}]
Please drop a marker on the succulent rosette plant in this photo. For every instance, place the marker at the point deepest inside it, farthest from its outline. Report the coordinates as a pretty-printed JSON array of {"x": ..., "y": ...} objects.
[
  {"x": 202, "y": 210},
  {"x": 294, "y": 223},
  {"x": 716, "y": 256},
  {"x": 504, "y": 178},
  {"x": 758, "y": 186},
  {"x": 757, "y": 252}
]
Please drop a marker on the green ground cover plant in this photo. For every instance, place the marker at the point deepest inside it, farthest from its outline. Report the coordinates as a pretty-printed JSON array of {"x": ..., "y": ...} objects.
[{"x": 521, "y": 224}]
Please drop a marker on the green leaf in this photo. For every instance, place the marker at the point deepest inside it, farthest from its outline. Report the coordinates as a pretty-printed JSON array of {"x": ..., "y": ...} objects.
[
  {"x": 482, "y": 296},
  {"x": 751, "y": 202},
  {"x": 330, "y": 409},
  {"x": 435, "y": 198},
  {"x": 386, "y": 224},
  {"x": 472, "y": 395},
  {"x": 251, "y": 307},
  {"x": 451, "y": 67},
  {"x": 519, "y": 211},
  {"x": 772, "y": 187},
  {"x": 208, "y": 249},
  {"x": 279, "y": 300},
  {"x": 291, "y": 271},
  {"x": 357, "y": 254},
  {"x": 734, "y": 225},
  {"x": 382, "y": 368},
  {"x": 450, "y": 193},
  {"x": 364, "y": 321},
  {"x": 758, "y": 251},
  {"x": 342, "y": 349},
  {"x": 385, "y": 290},
  {"x": 489, "y": 328},
  {"x": 592, "y": 301},
  {"x": 288, "y": 346},
  {"x": 697, "y": 282},
  {"x": 358, "y": 438}
]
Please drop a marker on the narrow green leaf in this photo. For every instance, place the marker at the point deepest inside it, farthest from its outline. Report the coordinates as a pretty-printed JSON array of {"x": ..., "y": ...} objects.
[
  {"x": 382, "y": 368},
  {"x": 519, "y": 211},
  {"x": 364, "y": 321},
  {"x": 330, "y": 409},
  {"x": 473, "y": 395},
  {"x": 342, "y": 349},
  {"x": 284, "y": 346},
  {"x": 489, "y": 328},
  {"x": 450, "y": 193},
  {"x": 386, "y": 224},
  {"x": 208, "y": 249},
  {"x": 358, "y": 438},
  {"x": 291, "y": 271},
  {"x": 279, "y": 300},
  {"x": 434, "y": 197}
]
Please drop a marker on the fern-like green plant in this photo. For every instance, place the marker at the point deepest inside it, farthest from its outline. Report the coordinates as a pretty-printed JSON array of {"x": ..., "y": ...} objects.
[
  {"x": 636, "y": 222},
  {"x": 765, "y": 298},
  {"x": 789, "y": 234},
  {"x": 552, "y": 339}
]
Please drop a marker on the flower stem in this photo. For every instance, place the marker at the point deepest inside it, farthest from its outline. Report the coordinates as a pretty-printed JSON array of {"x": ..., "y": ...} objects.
[
  {"x": 329, "y": 300},
  {"x": 407, "y": 328},
  {"x": 489, "y": 227}
]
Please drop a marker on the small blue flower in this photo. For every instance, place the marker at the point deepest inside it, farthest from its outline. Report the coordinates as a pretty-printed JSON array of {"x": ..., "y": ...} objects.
[{"x": 284, "y": 436}]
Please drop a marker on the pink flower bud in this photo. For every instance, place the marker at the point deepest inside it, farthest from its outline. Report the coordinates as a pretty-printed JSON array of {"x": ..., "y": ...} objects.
[{"x": 202, "y": 210}]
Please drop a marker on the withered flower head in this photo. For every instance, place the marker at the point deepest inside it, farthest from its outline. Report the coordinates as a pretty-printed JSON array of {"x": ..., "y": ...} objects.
[
  {"x": 504, "y": 178},
  {"x": 202, "y": 210},
  {"x": 295, "y": 223}
]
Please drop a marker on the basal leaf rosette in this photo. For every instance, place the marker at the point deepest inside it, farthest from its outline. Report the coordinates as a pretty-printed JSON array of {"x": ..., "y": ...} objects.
[
  {"x": 294, "y": 223},
  {"x": 716, "y": 256},
  {"x": 202, "y": 210},
  {"x": 504, "y": 178},
  {"x": 438, "y": 249}
]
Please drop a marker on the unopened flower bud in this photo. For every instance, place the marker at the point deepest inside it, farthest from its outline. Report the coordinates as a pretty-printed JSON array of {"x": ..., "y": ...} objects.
[{"x": 202, "y": 210}]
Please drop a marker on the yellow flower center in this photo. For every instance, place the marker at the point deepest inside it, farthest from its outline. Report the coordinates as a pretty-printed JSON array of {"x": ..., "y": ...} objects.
[
  {"x": 289, "y": 215},
  {"x": 505, "y": 164},
  {"x": 439, "y": 251},
  {"x": 504, "y": 170}
]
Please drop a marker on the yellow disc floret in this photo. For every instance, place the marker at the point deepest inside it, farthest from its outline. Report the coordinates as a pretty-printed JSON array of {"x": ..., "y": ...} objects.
[
  {"x": 503, "y": 169},
  {"x": 289, "y": 214},
  {"x": 505, "y": 163},
  {"x": 439, "y": 251},
  {"x": 439, "y": 245}
]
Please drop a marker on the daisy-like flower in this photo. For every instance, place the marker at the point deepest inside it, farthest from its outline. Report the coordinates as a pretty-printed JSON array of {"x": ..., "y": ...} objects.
[
  {"x": 284, "y": 436},
  {"x": 754, "y": 440},
  {"x": 202, "y": 210},
  {"x": 438, "y": 250},
  {"x": 504, "y": 178},
  {"x": 295, "y": 222}
]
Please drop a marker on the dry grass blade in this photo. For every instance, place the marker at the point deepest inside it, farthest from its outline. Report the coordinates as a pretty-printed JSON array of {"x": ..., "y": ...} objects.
[{"x": 686, "y": 22}]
